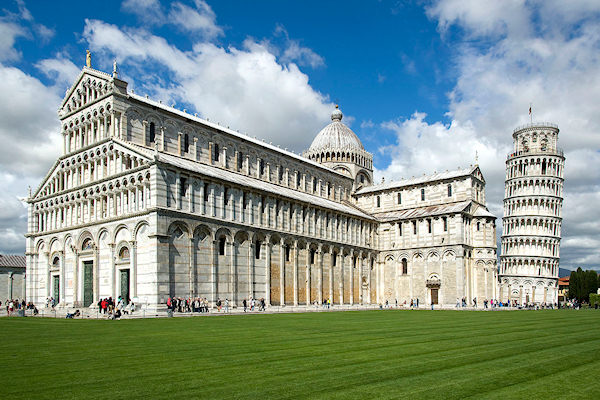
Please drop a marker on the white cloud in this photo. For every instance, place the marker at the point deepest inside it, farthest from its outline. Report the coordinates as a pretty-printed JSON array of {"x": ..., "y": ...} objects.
[
  {"x": 245, "y": 88},
  {"x": 148, "y": 11},
  {"x": 201, "y": 19},
  {"x": 9, "y": 31},
  {"x": 293, "y": 51},
  {"x": 556, "y": 66}
]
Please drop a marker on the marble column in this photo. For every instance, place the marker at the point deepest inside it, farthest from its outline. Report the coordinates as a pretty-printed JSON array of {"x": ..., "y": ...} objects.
[
  {"x": 308, "y": 274},
  {"x": 295, "y": 272},
  {"x": 268, "y": 271},
  {"x": 282, "y": 254}
]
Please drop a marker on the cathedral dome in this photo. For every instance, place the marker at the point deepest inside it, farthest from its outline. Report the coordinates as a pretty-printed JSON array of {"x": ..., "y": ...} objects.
[{"x": 336, "y": 136}]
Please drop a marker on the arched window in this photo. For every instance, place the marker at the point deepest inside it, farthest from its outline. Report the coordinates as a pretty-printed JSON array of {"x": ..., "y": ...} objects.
[
  {"x": 87, "y": 244},
  {"x": 404, "y": 266},
  {"x": 222, "y": 246},
  {"x": 186, "y": 143},
  {"x": 124, "y": 254},
  {"x": 152, "y": 132},
  {"x": 257, "y": 249},
  {"x": 56, "y": 263}
]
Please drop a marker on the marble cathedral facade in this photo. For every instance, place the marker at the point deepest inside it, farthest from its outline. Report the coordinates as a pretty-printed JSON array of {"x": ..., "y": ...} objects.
[{"x": 148, "y": 202}]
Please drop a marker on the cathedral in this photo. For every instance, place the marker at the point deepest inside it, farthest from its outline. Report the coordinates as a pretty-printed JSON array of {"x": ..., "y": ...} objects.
[{"x": 149, "y": 202}]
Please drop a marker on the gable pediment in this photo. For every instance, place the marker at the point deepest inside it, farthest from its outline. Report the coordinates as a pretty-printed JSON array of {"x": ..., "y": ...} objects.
[
  {"x": 89, "y": 85},
  {"x": 52, "y": 183},
  {"x": 477, "y": 174}
]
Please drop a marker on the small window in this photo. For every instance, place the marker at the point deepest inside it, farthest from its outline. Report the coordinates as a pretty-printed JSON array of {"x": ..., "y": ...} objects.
[
  {"x": 404, "y": 266},
  {"x": 399, "y": 228},
  {"x": 414, "y": 227},
  {"x": 240, "y": 161},
  {"x": 378, "y": 201},
  {"x": 445, "y": 220},
  {"x": 152, "y": 132},
  {"x": 280, "y": 174},
  {"x": 328, "y": 190},
  {"x": 261, "y": 167},
  {"x": 87, "y": 244},
  {"x": 297, "y": 179},
  {"x": 314, "y": 185},
  {"x": 183, "y": 184},
  {"x": 287, "y": 253},
  {"x": 216, "y": 152},
  {"x": 257, "y": 246},
  {"x": 222, "y": 246},
  {"x": 399, "y": 198},
  {"x": 429, "y": 225},
  {"x": 362, "y": 179},
  {"x": 244, "y": 200},
  {"x": 449, "y": 190},
  {"x": 205, "y": 193},
  {"x": 334, "y": 261},
  {"x": 186, "y": 143},
  {"x": 478, "y": 226},
  {"x": 226, "y": 196},
  {"x": 422, "y": 194},
  {"x": 312, "y": 256},
  {"x": 124, "y": 254}
]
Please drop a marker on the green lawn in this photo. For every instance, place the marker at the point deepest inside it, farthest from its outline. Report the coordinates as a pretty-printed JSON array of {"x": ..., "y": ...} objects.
[{"x": 344, "y": 355}]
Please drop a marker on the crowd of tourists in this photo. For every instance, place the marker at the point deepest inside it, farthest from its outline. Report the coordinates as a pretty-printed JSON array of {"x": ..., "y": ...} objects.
[
  {"x": 202, "y": 305},
  {"x": 115, "y": 308},
  {"x": 14, "y": 305}
]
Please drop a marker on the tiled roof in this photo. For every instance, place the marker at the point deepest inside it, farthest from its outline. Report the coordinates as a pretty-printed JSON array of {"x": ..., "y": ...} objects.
[
  {"x": 248, "y": 181},
  {"x": 483, "y": 212},
  {"x": 419, "y": 180},
  {"x": 423, "y": 211},
  {"x": 12, "y": 261},
  {"x": 234, "y": 133}
]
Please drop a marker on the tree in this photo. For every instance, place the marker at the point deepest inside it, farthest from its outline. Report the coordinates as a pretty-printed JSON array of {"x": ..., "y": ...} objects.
[
  {"x": 574, "y": 292},
  {"x": 582, "y": 283},
  {"x": 591, "y": 283}
]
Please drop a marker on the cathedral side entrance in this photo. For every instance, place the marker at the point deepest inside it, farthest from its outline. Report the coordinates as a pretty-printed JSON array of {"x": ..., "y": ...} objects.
[
  {"x": 88, "y": 283},
  {"x": 124, "y": 279}
]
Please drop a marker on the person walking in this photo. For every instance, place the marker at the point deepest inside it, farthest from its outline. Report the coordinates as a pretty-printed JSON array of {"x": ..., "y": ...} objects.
[
  {"x": 245, "y": 303},
  {"x": 226, "y": 305}
]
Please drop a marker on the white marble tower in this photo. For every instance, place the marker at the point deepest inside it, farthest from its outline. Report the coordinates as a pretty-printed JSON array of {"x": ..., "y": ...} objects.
[{"x": 531, "y": 226}]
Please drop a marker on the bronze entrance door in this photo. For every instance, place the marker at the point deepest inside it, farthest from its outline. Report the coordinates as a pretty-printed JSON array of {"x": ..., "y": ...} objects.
[
  {"x": 434, "y": 296},
  {"x": 88, "y": 283},
  {"x": 56, "y": 288},
  {"x": 125, "y": 284}
]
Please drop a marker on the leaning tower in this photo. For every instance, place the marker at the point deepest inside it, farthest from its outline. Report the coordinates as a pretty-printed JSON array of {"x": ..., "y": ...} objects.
[{"x": 532, "y": 216}]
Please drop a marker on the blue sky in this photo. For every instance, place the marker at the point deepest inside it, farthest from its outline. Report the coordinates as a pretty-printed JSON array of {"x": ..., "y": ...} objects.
[{"x": 424, "y": 84}]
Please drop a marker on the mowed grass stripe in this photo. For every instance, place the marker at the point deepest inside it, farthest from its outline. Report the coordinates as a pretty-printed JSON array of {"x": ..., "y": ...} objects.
[{"x": 315, "y": 355}]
